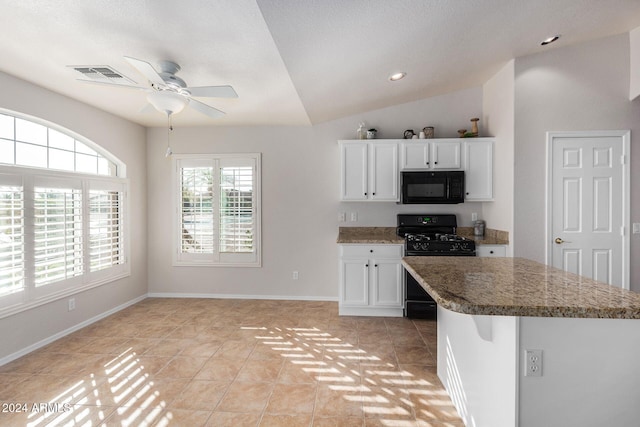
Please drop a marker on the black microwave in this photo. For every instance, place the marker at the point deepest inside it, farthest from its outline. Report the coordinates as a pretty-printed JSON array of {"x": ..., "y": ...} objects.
[{"x": 428, "y": 187}]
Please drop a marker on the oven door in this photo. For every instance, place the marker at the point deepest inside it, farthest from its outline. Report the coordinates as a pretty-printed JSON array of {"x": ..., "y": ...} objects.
[{"x": 418, "y": 303}]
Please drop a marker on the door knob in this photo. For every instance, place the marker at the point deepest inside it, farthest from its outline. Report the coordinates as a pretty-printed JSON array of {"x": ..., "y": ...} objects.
[{"x": 559, "y": 241}]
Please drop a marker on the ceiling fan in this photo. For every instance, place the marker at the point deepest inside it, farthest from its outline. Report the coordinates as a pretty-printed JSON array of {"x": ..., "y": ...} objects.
[{"x": 167, "y": 92}]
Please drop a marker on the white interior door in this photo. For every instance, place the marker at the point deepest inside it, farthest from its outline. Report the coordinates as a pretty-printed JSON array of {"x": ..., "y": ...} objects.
[{"x": 589, "y": 204}]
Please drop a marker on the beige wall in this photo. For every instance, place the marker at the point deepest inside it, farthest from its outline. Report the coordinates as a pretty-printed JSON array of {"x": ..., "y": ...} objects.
[
  {"x": 127, "y": 142},
  {"x": 581, "y": 87},
  {"x": 498, "y": 103},
  {"x": 300, "y": 194}
]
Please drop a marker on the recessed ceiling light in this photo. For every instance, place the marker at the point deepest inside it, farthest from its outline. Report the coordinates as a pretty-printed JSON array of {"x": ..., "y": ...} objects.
[
  {"x": 549, "y": 40},
  {"x": 397, "y": 76}
]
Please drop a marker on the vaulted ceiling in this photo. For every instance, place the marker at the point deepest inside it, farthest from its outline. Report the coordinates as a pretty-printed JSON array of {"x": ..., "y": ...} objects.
[{"x": 292, "y": 62}]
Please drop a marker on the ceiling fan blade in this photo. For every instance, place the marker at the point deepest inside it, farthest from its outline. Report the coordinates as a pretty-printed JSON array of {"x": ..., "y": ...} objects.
[
  {"x": 206, "y": 109},
  {"x": 94, "y": 82},
  {"x": 146, "y": 70},
  {"x": 213, "y": 92}
]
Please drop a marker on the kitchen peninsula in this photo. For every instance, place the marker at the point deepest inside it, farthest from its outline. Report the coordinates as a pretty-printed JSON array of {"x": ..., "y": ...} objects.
[{"x": 492, "y": 310}]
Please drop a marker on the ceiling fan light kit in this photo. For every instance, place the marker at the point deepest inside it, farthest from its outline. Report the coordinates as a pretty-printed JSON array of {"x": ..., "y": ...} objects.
[{"x": 167, "y": 102}]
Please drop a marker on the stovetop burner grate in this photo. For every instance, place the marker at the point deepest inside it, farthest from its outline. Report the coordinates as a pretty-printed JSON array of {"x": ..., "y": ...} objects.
[{"x": 433, "y": 235}]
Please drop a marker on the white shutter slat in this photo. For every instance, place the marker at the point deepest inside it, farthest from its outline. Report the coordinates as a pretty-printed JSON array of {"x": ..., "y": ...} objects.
[
  {"x": 105, "y": 229},
  {"x": 11, "y": 239},
  {"x": 58, "y": 239},
  {"x": 236, "y": 209},
  {"x": 196, "y": 203}
]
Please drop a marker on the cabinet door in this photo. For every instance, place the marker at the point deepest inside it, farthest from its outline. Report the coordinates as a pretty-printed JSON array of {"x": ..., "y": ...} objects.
[
  {"x": 415, "y": 155},
  {"x": 386, "y": 286},
  {"x": 491, "y": 250},
  {"x": 354, "y": 282},
  {"x": 478, "y": 169},
  {"x": 354, "y": 171},
  {"x": 383, "y": 166},
  {"x": 446, "y": 155}
]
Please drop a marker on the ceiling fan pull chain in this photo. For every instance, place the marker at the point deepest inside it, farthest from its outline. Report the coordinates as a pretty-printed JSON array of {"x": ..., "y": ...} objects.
[{"x": 169, "y": 130}]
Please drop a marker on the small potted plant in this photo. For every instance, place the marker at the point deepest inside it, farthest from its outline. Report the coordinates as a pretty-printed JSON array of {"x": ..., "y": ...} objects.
[{"x": 371, "y": 133}]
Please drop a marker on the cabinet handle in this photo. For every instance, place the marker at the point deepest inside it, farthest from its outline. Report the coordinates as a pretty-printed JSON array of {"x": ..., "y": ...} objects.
[
  {"x": 366, "y": 265},
  {"x": 371, "y": 250},
  {"x": 375, "y": 265},
  {"x": 365, "y": 194},
  {"x": 490, "y": 252},
  {"x": 467, "y": 194},
  {"x": 373, "y": 194},
  {"x": 435, "y": 163},
  {"x": 427, "y": 162}
]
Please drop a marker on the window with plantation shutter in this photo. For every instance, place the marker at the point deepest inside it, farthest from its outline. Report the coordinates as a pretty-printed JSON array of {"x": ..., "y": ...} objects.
[
  {"x": 58, "y": 240},
  {"x": 105, "y": 229},
  {"x": 236, "y": 209},
  {"x": 218, "y": 213},
  {"x": 11, "y": 236},
  {"x": 63, "y": 214},
  {"x": 196, "y": 217}
]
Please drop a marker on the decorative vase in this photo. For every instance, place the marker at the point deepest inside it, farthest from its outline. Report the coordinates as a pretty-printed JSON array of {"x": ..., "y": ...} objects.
[
  {"x": 474, "y": 126},
  {"x": 429, "y": 132}
]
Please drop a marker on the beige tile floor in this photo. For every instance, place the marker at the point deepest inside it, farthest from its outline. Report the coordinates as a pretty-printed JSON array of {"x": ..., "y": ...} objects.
[{"x": 191, "y": 362}]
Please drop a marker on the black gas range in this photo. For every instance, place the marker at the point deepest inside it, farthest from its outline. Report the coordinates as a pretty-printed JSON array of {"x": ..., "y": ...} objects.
[{"x": 429, "y": 235}]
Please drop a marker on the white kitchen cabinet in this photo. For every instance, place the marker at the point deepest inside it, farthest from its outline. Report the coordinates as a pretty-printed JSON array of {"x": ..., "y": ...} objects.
[
  {"x": 440, "y": 154},
  {"x": 491, "y": 250},
  {"x": 478, "y": 169},
  {"x": 369, "y": 171},
  {"x": 371, "y": 280}
]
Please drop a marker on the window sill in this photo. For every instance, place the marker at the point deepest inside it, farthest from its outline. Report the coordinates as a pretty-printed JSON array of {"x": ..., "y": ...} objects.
[
  {"x": 20, "y": 307},
  {"x": 217, "y": 264}
]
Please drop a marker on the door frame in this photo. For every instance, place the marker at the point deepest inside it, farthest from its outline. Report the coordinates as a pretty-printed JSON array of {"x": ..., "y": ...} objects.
[{"x": 625, "y": 138}]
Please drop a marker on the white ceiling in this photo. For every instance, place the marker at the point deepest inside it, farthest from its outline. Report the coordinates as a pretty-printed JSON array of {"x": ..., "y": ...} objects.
[{"x": 292, "y": 62}]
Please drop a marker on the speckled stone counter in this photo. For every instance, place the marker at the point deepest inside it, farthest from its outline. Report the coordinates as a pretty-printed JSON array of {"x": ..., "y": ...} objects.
[
  {"x": 518, "y": 287},
  {"x": 491, "y": 237},
  {"x": 369, "y": 235},
  {"x": 387, "y": 235}
]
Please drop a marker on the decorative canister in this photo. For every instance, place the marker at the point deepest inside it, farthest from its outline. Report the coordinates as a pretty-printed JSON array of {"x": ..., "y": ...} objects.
[
  {"x": 429, "y": 132},
  {"x": 408, "y": 134},
  {"x": 478, "y": 228}
]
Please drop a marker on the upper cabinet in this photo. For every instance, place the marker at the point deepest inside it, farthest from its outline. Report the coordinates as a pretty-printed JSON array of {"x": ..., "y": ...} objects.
[
  {"x": 369, "y": 171},
  {"x": 478, "y": 169},
  {"x": 421, "y": 154}
]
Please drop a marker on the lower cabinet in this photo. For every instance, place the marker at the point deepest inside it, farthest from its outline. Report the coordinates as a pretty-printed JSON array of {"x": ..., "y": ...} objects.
[
  {"x": 371, "y": 280},
  {"x": 491, "y": 250}
]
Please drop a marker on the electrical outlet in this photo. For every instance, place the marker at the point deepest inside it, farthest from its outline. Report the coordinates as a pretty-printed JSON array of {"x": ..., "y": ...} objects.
[
  {"x": 294, "y": 275},
  {"x": 354, "y": 216},
  {"x": 72, "y": 304},
  {"x": 474, "y": 216},
  {"x": 636, "y": 228},
  {"x": 342, "y": 216},
  {"x": 533, "y": 363}
]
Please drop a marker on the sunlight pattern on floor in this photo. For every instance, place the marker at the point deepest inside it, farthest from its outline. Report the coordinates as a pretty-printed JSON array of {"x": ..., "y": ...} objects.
[{"x": 193, "y": 362}]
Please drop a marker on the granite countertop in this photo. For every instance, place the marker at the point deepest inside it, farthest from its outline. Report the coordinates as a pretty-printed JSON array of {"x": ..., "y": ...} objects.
[
  {"x": 369, "y": 235},
  {"x": 518, "y": 287},
  {"x": 387, "y": 235},
  {"x": 491, "y": 237}
]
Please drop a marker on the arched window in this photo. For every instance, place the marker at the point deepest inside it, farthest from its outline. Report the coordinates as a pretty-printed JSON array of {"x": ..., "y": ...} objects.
[{"x": 63, "y": 222}]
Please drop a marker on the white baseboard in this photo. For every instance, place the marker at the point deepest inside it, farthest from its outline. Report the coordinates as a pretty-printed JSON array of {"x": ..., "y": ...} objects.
[
  {"x": 230, "y": 296},
  {"x": 68, "y": 331}
]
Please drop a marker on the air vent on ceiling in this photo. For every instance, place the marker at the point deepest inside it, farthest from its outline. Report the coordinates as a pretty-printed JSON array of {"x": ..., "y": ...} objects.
[{"x": 102, "y": 73}]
